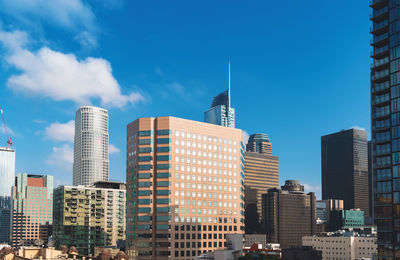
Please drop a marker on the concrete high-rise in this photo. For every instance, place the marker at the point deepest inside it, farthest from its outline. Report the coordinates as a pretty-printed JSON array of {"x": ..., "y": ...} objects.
[
  {"x": 91, "y": 163},
  {"x": 259, "y": 143},
  {"x": 289, "y": 214},
  {"x": 261, "y": 173},
  {"x": 185, "y": 187},
  {"x": 344, "y": 163},
  {"x": 89, "y": 216},
  {"x": 32, "y": 208},
  {"x": 221, "y": 112}
]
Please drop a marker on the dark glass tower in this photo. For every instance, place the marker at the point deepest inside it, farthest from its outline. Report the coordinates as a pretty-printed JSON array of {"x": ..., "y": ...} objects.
[
  {"x": 344, "y": 165},
  {"x": 385, "y": 124}
]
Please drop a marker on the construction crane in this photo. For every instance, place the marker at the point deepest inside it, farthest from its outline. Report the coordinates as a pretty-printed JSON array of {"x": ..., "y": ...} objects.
[{"x": 9, "y": 141}]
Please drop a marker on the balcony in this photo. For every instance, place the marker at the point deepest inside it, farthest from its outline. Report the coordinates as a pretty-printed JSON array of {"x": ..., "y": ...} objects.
[
  {"x": 381, "y": 100},
  {"x": 380, "y": 64},
  {"x": 381, "y": 87},
  {"x": 377, "y": 3},
  {"x": 380, "y": 40},
  {"x": 380, "y": 75},
  {"x": 382, "y": 113},
  {"x": 380, "y": 27},
  {"x": 379, "y": 14},
  {"x": 380, "y": 52}
]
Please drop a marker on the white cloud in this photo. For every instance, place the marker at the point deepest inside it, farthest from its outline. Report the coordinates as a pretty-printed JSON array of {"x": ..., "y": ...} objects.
[
  {"x": 113, "y": 149},
  {"x": 62, "y": 156},
  {"x": 245, "y": 137},
  {"x": 14, "y": 40},
  {"x": 61, "y": 132},
  {"x": 72, "y": 15},
  {"x": 59, "y": 76}
]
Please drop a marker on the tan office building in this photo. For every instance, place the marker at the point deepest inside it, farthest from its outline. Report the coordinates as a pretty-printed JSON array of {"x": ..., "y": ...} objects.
[{"x": 185, "y": 187}]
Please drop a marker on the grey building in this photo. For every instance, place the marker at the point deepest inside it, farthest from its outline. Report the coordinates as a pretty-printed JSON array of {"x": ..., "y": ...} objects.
[
  {"x": 289, "y": 214},
  {"x": 7, "y": 177},
  {"x": 220, "y": 111},
  {"x": 5, "y": 207},
  {"x": 91, "y": 163},
  {"x": 344, "y": 163}
]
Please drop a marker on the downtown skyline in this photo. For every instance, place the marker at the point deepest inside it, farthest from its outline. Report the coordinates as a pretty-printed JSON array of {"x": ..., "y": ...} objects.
[{"x": 300, "y": 99}]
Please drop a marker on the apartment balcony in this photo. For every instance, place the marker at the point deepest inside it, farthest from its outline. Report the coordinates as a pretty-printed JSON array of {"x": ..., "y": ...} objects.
[
  {"x": 377, "y": 3},
  {"x": 381, "y": 87},
  {"x": 380, "y": 64},
  {"x": 381, "y": 128},
  {"x": 380, "y": 40},
  {"x": 380, "y": 28},
  {"x": 380, "y": 76},
  {"x": 380, "y": 52},
  {"x": 381, "y": 114},
  {"x": 379, "y": 14},
  {"x": 381, "y": 101}
]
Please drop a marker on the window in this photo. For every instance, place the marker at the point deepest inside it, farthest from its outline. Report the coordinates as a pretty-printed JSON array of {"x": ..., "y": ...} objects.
[
  {"x": 145, "y": 150},
  {"x": 163, "y": 132},
  {"x": 145, "y": 141},
  {"x": 163, "y": 175},
  {"x": 163, "y": 166},
  {"x": 163, "y": 184},
  {"x": 163, "y": 158},
  {"x": 164, "y": 149},
  {"x": 163, "y": 140},
  {"x": 145, "y": 158},
  {"x": 145, "y": 167},
  {"x": 163, "y": 209},
  {"x": 145, "y": 133}
]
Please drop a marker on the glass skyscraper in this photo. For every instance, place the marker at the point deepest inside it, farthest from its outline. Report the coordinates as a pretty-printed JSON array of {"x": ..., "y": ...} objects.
[
  {"x": 385, "y": 124},
  {"x": 91, "y": 163},
  {"x": 7, "y": 170},
  {"x": 221, "y": 112}
]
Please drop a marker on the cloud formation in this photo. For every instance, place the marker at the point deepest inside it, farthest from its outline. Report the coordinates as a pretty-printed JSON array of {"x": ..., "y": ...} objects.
[
  {"x": 61, "y": 77},
  {"x": 62, "y": 156},
  {"x": 60, "y": 132},
  {"x": 72, "y": 15},
  {"x": 113, "y": 149}
]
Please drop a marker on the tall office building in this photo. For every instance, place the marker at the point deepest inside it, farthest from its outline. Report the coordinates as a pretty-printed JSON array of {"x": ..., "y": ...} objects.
[
  {"x": 32, "y": 208},
  {"x": 325, "y": 207},
  {"x": 370, "y": 182},
  {"x": 185, "y": 187},
  {"x": 261, "y": 173},
  {"x": 221, "y": 112},
  {"x": 289, "y": 214},
  {"x": 259, "y": 143},
  {"x": 91, "y": 162},
  {"x": 89, "y": 216},
  {"x": 344, "y": 163},
  {"x": 7, "y": 177},
  {"x": 385, "y": 122}
]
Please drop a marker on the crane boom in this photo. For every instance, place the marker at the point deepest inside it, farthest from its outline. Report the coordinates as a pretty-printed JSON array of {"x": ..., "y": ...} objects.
[{"x": 9, "y": 141}]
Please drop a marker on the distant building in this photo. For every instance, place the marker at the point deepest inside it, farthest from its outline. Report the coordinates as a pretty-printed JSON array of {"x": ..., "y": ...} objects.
[
  {"x": 89, "y": 216},
  {"x": 259, "y": 143},
  {"x": 185, "y": 187},
  {"x": 343, "y": 219},
  {"x": 221, "y": 112},
  {"x": 32, "y": 209},
  {"x": 344, "y": 163},
  {"x": 370, "y": 183},
  {"x": 7, "y": 171},
  {"x": 261, "y": 173},
  {"x": 250, "y": 239},
  {"x": 289, "y": 214},
  {"x": 5, "y": 215},
  {"x": 91, "y": 163},
  {"x": 301, "y": 253},
  {"x": 343, "y": 245},
  {"x": 325, "y": 207}
]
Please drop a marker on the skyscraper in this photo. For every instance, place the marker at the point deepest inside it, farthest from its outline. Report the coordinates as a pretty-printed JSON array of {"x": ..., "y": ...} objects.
[
  {"x": 261, "y": 173},
  {"x": 89, "y": 216},
  {"x": 385, "y": 124},
  {"x": 289, "y": 214},
  {"x": 185, "y": 187},
  {"x": 32, "y": 208},
  {"x": 259, "y": 143},
  {"x": 7, "y": 170},
  {"x": 7, "y": 177},
  {"x": 91, "y": 162},
  {"x": 344, "y": 163},
  {"x": 221, "y": 112}
]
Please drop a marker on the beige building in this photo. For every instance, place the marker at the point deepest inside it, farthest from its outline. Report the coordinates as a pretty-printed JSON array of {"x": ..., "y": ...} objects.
[
  {"x": 185, "y": 187},
  {"x": 346, "y": 246}
]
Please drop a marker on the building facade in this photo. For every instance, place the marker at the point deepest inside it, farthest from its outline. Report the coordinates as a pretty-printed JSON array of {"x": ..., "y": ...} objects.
[
  {"x": 91, "y": 163},
  {"x": 261, "y": 173},
  {"x": 343, "y": 246},
  {"x": 289, "y": 214},
  {"x": 7, "y": 171},
  {"x": 31, "y": 208},
  {"x": 346, "y": 219},
  {"x": 344, "y": 163},
  {"x": 185, "y": 187},
  {"x": 259, "y": 143},
  {"x": 5, "y": 215},
  {"x": 325, "y": 207},
  {"x": 220, "y": 111},
  {"x": 89, "y": 216}
]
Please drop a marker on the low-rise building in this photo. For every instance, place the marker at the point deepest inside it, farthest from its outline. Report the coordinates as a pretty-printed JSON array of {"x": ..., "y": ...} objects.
[
  {"x": 250, "y": 239},
  {"x": 343, "y": 245}
]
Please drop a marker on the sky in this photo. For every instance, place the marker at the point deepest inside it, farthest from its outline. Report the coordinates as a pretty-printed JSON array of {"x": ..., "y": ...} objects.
[{"x": 299, "y": 70}]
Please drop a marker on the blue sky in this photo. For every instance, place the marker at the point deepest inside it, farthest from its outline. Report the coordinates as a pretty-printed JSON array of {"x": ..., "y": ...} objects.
[{"x": 300, "y": 69}]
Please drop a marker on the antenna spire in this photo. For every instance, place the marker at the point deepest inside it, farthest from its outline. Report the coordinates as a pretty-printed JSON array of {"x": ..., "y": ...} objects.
[{"x": 229, "y": 85}]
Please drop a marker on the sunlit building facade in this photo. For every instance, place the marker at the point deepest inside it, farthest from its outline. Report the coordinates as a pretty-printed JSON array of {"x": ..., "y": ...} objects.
[{"x": 185, "y": 187}]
